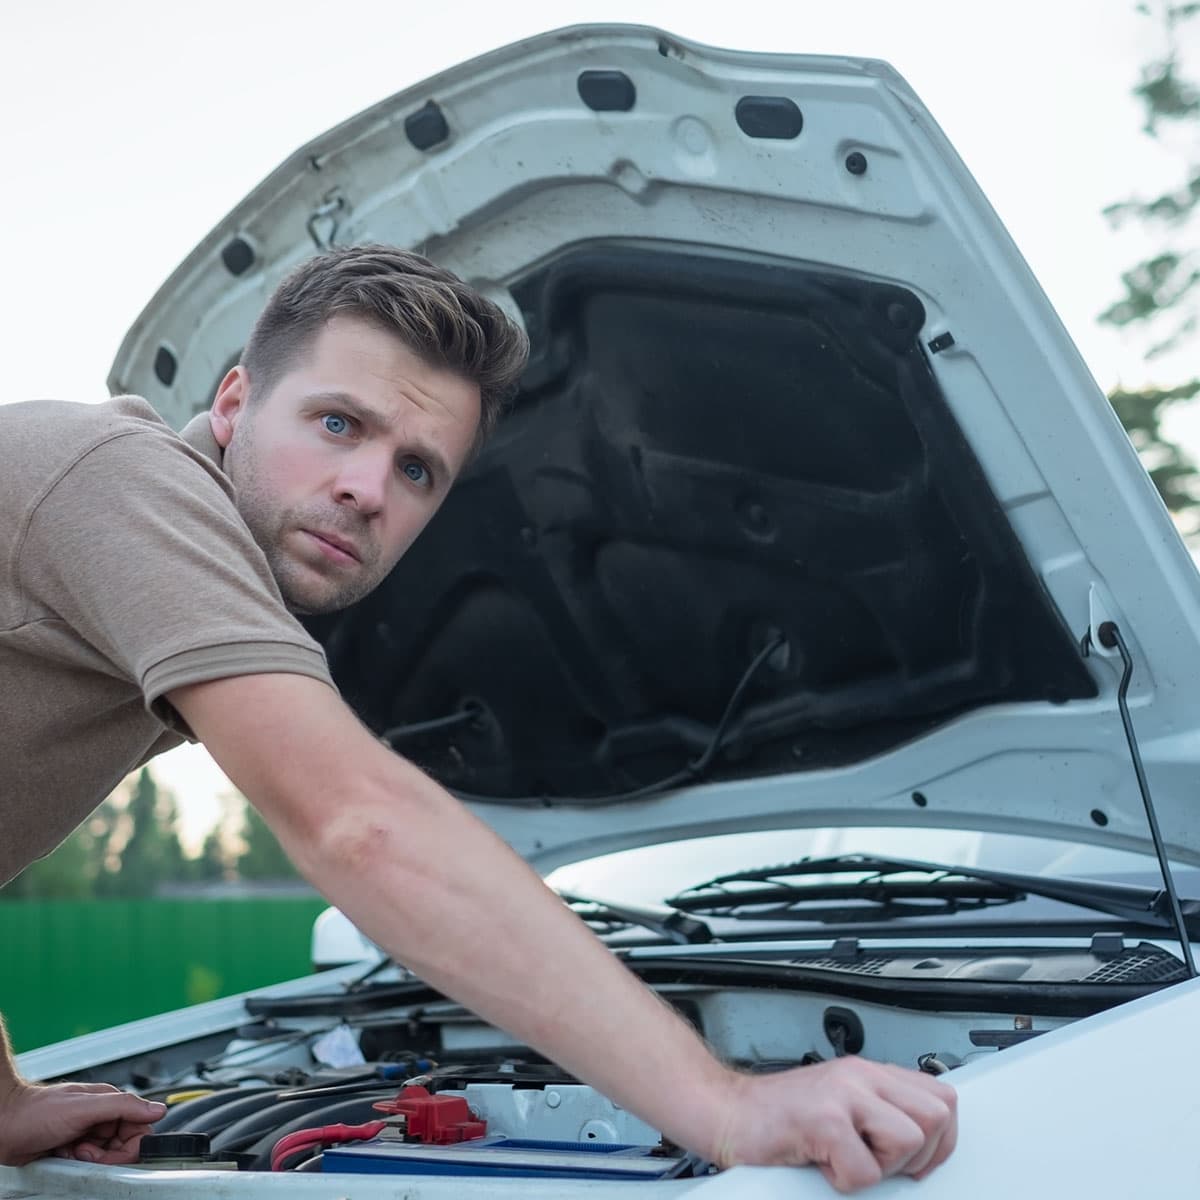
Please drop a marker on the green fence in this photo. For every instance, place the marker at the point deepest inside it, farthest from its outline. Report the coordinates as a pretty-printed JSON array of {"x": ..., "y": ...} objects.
[{"x": 69, "y": 967}]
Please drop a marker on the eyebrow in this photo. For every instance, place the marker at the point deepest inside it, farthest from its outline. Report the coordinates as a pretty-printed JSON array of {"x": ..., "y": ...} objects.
[{"x": 373, "y": 417}]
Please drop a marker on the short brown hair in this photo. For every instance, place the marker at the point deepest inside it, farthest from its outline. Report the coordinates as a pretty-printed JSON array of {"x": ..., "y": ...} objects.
[{"x": 430, "y": 309}]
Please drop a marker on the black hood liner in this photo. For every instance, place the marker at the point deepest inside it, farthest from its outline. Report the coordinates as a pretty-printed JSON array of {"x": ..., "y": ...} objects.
[{"x": 705, "y": 454}]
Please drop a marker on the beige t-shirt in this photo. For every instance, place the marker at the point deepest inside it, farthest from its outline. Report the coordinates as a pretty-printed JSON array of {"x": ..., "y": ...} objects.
[{"x": 125, "y": 572}]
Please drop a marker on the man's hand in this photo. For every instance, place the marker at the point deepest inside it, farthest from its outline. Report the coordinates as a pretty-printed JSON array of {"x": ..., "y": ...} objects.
[
  {"x": 94, "y": 1122},
  {"x": 859, "y": 1121}
]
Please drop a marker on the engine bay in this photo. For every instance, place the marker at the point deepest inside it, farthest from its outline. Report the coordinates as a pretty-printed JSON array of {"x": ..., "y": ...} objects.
[{"x": 379, "y": 1074}]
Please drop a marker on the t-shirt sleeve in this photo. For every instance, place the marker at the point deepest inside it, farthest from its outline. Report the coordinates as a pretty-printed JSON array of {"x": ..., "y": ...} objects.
[{"x": 139, "y": 547}]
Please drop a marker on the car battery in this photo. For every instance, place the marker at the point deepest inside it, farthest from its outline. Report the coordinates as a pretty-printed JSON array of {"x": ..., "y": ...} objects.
[{"x": 499, "y": 1157}]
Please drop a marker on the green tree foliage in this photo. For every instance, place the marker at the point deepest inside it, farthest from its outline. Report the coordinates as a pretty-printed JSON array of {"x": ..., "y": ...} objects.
[
  {"x": 213, "y": 865},
  {"x": 69, "y": 873},
  {"x": 1161, "y": 298},
  {"x": 132, "y": 849},
  {"x": 151, "y": 855},
  {"x": 1171, "y": 468},
  {"x": 121, "y": 850},
  {"x": 263, "y": 857}
]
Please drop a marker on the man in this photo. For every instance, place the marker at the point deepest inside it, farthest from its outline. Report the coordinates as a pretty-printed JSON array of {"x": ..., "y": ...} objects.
[{"x": 147, "y": 589}]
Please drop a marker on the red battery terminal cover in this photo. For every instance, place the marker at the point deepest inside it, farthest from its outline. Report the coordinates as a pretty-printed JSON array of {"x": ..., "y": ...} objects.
[{"x": 434, "y": 1120}]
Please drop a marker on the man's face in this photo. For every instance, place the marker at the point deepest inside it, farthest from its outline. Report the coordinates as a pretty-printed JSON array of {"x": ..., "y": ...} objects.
[{"x": 341, "y": 465}]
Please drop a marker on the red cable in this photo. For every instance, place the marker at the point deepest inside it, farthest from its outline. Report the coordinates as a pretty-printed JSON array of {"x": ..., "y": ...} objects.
[{"x": 307, "y": 1139}]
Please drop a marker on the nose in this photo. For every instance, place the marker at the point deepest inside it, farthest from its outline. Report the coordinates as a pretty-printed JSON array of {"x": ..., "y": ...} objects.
[{"x": 363, "y": 481}]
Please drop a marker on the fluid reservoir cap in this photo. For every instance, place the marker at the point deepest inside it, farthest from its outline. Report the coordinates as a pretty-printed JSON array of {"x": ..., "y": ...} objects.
[{"x": 157, "y": 1146}]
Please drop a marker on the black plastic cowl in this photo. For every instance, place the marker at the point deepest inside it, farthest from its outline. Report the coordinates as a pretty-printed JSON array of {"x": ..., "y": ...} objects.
[{"x": 158, "y": 1146}]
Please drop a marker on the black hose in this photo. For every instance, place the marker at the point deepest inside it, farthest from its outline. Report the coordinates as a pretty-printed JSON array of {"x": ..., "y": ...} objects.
[
  {"x": 349, "y": 1112},
  {"x": 187, "y": 1114},
  {"x": 245, "y": 1133}
]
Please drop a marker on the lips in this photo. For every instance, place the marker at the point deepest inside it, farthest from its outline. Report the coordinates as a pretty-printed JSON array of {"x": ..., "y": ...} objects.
[{"x": 338, "y": 548}]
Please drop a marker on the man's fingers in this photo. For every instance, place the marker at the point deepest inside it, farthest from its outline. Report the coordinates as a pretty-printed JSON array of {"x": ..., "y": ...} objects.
[
  {"x": 858, "y": 1121},
  {"x": 112, "y": 1126},
  {"x": 128, "y": 1148},
  {"x": 89, "y": 1088},
  {"x": 121, "y": 1145},
  {"x": 130, "y": 1129},
  {"x": 94, "y": 1122},
  {"x": 112, "y": 1107},
  {"x": 945, "y": 1148},
  {"x": 893, "y": 1137},
  {"x": 845, "y": 1159},
  {"x": 899, "y": 1123},
  {"x": 114, "y": 1155},
  {"x": 931, "y": 1105}
]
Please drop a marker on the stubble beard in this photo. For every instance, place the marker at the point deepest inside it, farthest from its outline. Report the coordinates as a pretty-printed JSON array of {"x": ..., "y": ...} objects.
[{"x": 304, "y": 591}]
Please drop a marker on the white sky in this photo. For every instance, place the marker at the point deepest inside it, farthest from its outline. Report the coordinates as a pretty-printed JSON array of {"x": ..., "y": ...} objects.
[{"x": 130, "y": 128}]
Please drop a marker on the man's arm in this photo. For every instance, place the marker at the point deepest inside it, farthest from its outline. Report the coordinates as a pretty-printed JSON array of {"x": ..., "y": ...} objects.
[
  {"x": 439, "y": 891},
  {"x": 8, "y": 1068},
  {"x": 90, "y": 1121}
]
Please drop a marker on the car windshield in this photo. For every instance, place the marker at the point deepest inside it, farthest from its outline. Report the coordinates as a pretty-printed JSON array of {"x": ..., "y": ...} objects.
[{"x": 652, "y": 874}]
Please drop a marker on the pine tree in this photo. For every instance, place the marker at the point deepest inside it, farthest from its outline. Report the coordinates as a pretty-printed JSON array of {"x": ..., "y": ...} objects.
[
  {"x": 1160, "y": 298},
  {"x": 213, "y": 864},
  {"x": 72, "y": 871},
  {"x": 66, "y": 874},
  {"x": 152, "y": 854}
]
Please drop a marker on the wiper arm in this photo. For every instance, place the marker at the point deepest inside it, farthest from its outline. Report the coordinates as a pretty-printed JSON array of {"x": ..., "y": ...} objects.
[
  {"x": 667, "y": 922},
  {"x": 1142, "y": 905}
]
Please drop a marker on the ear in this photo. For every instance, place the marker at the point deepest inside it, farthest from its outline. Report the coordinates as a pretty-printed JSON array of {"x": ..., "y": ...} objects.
[{"x": 229, "y": 404}]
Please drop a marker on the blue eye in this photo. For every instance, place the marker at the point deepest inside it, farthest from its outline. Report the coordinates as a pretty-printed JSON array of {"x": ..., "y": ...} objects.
[
  {"x": 417, "y": 473},
  {"x": 334, "y": 423}
]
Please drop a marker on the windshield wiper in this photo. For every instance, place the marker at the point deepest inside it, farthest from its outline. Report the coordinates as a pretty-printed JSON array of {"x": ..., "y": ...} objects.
[
  {"x": 787, "y": 893},
  {"x": 668, "y": 923}
]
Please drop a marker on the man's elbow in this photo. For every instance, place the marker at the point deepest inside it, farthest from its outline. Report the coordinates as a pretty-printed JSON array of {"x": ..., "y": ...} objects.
[
  {"x": 364, "y": 831},
  {"x": 356, "y": 846},
  {"x": 350, "y": 843},
  {"x": 387, "y": 817}
]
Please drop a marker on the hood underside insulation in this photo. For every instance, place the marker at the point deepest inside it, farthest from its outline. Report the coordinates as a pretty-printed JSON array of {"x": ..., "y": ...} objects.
[{"x": 706, "y": 456}]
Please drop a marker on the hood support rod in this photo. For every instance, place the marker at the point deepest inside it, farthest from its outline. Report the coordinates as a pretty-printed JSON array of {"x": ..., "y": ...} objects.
[{"x": 1109, "y": 636}]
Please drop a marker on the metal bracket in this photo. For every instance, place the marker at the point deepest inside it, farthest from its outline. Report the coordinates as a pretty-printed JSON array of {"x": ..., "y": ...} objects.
[
  {"x": 326, "y": 219},
  {"x": 1101, "y": 611}
]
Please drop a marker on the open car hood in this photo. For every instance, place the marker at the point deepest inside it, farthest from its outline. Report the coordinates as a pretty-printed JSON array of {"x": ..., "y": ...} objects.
[{"x": 795, "y": 403}]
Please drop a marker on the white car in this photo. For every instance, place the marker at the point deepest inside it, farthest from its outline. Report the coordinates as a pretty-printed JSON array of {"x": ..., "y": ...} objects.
[{"x": 810, "y": 533}]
